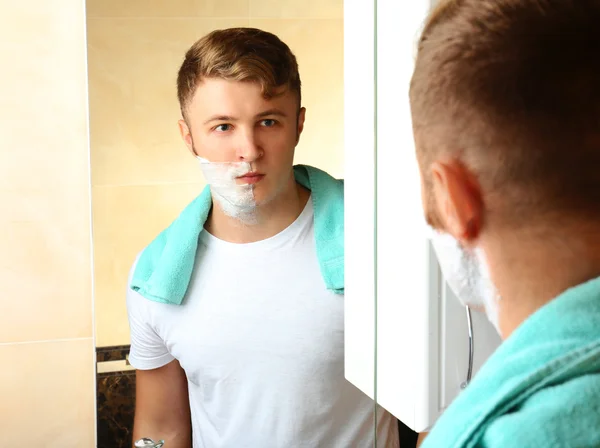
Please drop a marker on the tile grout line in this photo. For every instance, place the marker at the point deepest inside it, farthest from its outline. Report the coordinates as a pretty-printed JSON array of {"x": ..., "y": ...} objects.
[
  {"x": 92, "y": 247},
  {"x": 46, "y": 341},
  {"x": 207, "y": 18},
  {"x": 149, "y": 184}
]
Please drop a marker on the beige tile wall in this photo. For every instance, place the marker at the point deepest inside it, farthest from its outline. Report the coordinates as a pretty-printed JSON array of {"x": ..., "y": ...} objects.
[
  {"x": 142, "y": 175},
  {"x": 46, "y": 338}
]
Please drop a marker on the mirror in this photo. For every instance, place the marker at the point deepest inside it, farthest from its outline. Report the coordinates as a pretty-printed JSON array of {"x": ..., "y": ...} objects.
[{"x": 143, "y": 177}]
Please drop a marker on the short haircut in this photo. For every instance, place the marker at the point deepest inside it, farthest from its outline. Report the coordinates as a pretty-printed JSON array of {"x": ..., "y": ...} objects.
[
  {"x": 239, "y": 54},
  {"x": 512, "y": 89}
]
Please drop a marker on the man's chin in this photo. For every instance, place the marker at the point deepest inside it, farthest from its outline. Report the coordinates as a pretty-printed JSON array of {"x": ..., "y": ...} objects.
[
  {"x": 262, "y": 197},
  {"x": 262, "y": 201}
]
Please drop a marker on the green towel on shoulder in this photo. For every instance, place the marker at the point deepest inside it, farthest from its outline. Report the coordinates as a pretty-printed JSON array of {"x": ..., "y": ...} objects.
[
  {"x": 540, "y": 389},
  {"x": 164, "y": 268}
]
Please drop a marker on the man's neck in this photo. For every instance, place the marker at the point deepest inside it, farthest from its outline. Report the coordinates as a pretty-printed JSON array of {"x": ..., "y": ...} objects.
[
  {"x": 271, "y": 218},
  {"x": 531, "y": 268}
]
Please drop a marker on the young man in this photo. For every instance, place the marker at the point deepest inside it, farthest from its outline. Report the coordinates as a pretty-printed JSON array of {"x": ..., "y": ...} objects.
[
  {"x": 236, "y": 310},
  {"x": 505, "y": 101}
]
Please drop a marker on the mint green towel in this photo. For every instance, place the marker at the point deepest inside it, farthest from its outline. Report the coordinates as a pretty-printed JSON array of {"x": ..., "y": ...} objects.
[
  {"x": 541, "y": 389},
  {"x": 165, "y": 266}
]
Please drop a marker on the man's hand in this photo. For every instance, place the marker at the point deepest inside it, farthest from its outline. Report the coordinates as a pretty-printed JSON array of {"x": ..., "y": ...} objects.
[{"x": 422, "y": 436}]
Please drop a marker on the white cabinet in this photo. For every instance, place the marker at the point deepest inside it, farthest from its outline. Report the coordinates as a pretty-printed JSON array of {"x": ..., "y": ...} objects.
[{"x": 407, "y": 338}]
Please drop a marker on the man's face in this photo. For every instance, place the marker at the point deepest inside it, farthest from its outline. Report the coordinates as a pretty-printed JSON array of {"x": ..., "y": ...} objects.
[{"x": 231, "y": 121}]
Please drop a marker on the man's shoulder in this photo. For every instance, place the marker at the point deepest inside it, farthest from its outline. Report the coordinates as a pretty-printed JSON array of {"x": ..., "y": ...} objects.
[
  {"x": 565, "y": 414},
  {"x": 320, "y": 175}
]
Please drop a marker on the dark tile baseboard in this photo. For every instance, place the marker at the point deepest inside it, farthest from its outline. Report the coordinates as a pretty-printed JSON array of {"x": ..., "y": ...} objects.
[
  {"x": 112, "y": 353},
  {"x": 115, "y": 394}
]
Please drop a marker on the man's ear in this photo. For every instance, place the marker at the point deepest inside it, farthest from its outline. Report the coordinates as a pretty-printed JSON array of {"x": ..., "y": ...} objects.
[
  {"x": 300, "y": 124},
  {"x": 186, "y": 135},
  {"x": 458, "y": 200}
]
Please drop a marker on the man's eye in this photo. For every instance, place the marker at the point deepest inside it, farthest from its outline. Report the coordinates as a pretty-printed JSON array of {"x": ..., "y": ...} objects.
[
  {"x": 223, "y": 128},
  {"x": 268, "y": 123}
]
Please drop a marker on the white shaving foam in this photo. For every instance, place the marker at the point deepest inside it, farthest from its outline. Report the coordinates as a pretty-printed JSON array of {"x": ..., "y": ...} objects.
[
  {"x": 234, "y": 199},
  {"x": 467, "y": 274}
]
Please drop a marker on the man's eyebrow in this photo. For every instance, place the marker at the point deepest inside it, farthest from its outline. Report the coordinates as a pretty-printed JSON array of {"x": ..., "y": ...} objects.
[
  {"x": 272, "y": 112},
  {"x": 266, "y": 113},
  {"x": 220, "y": 118}
]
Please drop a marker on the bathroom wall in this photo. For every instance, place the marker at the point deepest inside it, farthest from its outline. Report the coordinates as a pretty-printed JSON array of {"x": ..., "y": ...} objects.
[
  {"x": 46, "y": 336},
  {"x": 142, "y": 175}
]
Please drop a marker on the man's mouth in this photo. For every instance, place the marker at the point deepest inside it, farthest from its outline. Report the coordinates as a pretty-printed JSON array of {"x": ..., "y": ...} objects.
[{"x": 251, "y": 178}]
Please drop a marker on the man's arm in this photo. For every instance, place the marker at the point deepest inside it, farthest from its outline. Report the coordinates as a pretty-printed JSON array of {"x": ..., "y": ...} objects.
[{"x": 162, "y": 409}]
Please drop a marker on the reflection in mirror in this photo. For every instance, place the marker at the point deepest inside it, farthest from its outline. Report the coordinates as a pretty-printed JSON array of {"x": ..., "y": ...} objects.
[{"x": 234, "y": 316}]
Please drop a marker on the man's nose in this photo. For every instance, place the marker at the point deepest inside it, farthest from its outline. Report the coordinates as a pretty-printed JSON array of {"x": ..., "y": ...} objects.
[{"x": 248, "y": 150}]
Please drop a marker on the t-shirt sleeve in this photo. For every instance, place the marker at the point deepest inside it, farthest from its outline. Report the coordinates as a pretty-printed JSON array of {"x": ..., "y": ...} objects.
[{"x": 148, "y": 350}]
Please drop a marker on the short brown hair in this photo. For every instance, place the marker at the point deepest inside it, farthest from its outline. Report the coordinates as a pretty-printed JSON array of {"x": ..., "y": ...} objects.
[
  {"x": 240, "y": 54},
  {"x": 512, "y": 88}
]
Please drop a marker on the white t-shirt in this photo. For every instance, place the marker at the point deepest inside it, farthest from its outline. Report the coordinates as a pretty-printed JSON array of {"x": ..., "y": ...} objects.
[{"x": 261, "y": 340}]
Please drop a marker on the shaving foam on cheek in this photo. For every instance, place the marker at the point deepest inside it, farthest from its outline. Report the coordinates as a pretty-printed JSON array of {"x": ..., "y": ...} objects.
[
  {"x": 488, "y": 291},
  {"x": 236, "y": 200},
  {"x": 467, "y": 274}
]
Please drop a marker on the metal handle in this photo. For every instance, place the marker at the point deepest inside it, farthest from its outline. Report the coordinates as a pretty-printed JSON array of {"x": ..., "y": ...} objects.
[
  {"x": 471, "y": 349},
  {"x": 146, "y": 442}
]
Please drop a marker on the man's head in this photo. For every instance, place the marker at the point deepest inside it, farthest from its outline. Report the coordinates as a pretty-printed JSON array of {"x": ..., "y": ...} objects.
[
  {"x": 505, "y": 100},
  {"x": 239, "y": 93}
]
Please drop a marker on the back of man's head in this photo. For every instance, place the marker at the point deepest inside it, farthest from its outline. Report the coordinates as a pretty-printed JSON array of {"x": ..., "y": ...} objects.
[{"x": 511, "y": 88}]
